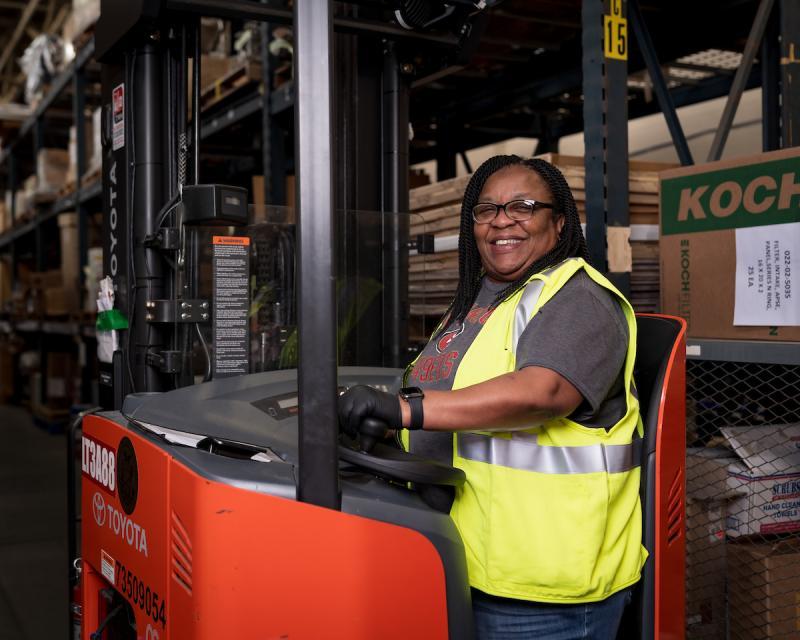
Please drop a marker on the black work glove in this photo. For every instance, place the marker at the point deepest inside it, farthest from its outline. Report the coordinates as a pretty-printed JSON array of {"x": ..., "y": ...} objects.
[{"x": 361, "y": 402}]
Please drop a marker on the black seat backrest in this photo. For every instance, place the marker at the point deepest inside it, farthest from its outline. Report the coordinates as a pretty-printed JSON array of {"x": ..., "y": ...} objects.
[
  {"x": 656, "y": 337},
  {"x": 655, "y": 341}
]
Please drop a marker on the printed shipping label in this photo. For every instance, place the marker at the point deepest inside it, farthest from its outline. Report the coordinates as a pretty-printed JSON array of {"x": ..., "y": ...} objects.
[{"x": 767, "y": 264}]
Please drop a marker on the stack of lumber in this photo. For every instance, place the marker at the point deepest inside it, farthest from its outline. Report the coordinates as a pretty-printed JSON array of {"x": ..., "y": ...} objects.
[{"x": 436, "y": 209}]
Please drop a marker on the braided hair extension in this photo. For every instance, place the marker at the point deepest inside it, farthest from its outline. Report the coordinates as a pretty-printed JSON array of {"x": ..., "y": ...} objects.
[{"x": 571, "y": 242}]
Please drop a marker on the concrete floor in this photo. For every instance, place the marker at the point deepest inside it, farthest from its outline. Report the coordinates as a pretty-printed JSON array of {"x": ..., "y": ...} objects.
[{"x": 33, "y": 530}]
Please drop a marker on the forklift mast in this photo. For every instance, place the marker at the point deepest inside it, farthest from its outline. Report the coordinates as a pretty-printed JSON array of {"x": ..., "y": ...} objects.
[{"x": 143, "y": 139}]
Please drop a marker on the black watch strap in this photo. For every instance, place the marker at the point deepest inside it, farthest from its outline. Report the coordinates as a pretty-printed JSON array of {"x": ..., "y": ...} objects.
[
  {"x": 417, "y": 414},
  {"x": 414, "y": 396}
]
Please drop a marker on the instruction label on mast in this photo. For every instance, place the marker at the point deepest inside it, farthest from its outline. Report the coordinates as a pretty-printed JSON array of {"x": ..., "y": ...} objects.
[
  {"x": 118, "y": 117},
  {"x": 231, "y": 306}
]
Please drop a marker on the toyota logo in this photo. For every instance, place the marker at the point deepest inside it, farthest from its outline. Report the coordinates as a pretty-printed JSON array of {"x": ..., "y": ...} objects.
[{"x": 99, "y": 509}]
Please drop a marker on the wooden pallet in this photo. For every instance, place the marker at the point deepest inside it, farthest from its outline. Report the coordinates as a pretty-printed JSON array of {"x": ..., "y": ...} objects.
[
  {"x": 242, "y": 75},
  {"x": 43, "y": 197},
  {"x": 67, "y": 189},
  {"x": 91, "y": 176}
]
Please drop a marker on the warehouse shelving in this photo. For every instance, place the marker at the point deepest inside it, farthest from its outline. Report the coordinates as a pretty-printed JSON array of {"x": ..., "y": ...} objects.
[
  {"x": 43, "y": 333},
  {"x": 82, "y": 196},
  {"x": 755, "y": 351},
  {"x": 280, "y": 100}
]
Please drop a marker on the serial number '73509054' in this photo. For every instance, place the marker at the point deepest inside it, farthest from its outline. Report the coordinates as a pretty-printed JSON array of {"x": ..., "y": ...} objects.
[{"x": 141, "y": 595}]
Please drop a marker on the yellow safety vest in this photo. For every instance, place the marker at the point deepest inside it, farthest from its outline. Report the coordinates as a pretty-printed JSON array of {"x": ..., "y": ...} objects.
[{"x": 549, "y": 514}]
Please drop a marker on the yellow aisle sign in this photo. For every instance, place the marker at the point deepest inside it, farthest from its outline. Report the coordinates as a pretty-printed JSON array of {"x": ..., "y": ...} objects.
[{"x": 615, "y": 37}]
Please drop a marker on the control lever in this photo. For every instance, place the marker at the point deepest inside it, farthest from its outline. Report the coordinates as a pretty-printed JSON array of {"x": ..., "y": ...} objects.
[{"x": 371, "y": 431}]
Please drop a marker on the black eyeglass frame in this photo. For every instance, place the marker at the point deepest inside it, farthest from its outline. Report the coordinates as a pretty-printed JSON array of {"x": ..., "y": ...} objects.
[{"x": 534, "y": 204}]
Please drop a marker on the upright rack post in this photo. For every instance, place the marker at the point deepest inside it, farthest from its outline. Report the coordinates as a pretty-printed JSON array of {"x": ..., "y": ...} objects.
[
  {"x": 616, "y": 38},
  {"x": 395, "y": 204},
  {"x": 318, "y": 458},
  {"x": 771, "y": 84},
  {"x": 594, "y": 131},
  {"x": 12, "y": 186},
  {"x": 790, "y": 72},
  {"x": 38, "y": 145}
]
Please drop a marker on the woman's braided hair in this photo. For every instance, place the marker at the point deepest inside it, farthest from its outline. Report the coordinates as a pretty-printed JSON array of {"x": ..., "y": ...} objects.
[{"x": 571, "y": 242}]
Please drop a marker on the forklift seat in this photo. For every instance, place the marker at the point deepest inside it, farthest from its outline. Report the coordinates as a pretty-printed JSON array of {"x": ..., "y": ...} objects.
[{"x": 657, "y": 609}]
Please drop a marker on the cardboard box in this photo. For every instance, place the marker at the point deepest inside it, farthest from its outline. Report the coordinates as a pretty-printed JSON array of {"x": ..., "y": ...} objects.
[
  {"x": 94, "y": 152},
  {"x": 758, "y": 475},
  {"x": 212, "y": 68},
  {"x": 70, "y": 260},
  {"x": 706, "y": 568},
  {"x": 51, "y": 170},
  {"x": 60, "y": 374},
  {"x": 44, "y": 279},
  {"x": 94, "y": 273},
  {"x": 707, "y": 470},
  {"x": 263, "y": 212},
  {"x": 258, "y": 191},
  {"x": 764, "y": 590},
  {"x": 701, "y": 207},
  {"x": 767, "y": 477},
  {"x": 61, "y": 301},
  {"x": 5, "y": 283},
  {"x": 88, "y": 142},
  {"x": 7, "y": 386}
]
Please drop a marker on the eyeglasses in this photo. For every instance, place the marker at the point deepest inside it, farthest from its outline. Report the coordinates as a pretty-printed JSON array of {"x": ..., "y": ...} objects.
[{"x": 519, "y": 210}]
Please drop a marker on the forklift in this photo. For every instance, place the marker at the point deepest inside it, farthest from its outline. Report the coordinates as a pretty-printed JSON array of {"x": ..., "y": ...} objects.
[{"x": 233, "y": 508}]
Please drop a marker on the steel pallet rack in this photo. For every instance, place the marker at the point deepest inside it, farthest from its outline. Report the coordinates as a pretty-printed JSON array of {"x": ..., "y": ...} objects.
[{"x": 41, "y": 331}]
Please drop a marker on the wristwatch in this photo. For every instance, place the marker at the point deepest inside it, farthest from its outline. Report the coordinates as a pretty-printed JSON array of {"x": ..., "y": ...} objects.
[{"x": 413, "y": 396}]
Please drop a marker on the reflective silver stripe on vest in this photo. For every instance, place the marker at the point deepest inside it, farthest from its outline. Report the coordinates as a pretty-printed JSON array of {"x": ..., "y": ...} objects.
[
  {"x": 522, "y": 451},
  {"x": 522, "y": 315},
  {"x": 527, "y": 303}
]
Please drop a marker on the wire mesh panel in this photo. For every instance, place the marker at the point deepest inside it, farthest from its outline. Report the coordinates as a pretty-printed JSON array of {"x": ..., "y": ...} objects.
[{"x": 743, "y": 500}]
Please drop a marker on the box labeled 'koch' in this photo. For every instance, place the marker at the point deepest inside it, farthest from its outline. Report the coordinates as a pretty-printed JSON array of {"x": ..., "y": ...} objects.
[{"x": 730, "y": 248}]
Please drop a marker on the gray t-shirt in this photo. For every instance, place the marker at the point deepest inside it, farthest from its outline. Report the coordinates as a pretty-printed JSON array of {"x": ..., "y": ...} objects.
[{"x": 580, "y": 333}]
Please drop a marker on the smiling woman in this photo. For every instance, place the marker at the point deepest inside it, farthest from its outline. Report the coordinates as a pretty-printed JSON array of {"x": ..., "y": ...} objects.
[
  {"x": 526, "y": 385},
  {"x": 510, "y": 237}
]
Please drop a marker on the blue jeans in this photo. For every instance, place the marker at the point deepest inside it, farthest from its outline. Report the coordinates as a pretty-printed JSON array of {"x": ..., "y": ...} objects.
[{"x": 506, "y": 619}]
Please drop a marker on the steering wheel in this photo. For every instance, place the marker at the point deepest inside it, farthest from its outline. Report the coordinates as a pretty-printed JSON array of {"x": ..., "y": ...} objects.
[{"x": 395, "y": 464}]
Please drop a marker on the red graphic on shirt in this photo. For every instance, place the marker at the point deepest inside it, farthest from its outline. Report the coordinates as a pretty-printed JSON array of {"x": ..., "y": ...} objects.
[
  {"x": 479, "y": 314},
  {"x": 434, "y": 368},
  {"x": 448, "y": 337}
]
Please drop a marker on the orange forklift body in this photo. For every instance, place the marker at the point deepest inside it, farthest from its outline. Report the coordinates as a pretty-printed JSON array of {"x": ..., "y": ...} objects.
[{"x": 197, "y": 559}]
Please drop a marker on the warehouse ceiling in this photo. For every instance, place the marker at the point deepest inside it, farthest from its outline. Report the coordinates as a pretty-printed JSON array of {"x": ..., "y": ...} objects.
[
  {"x": 519, "y": 74},
  {"x": 524, "y": 78}
]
